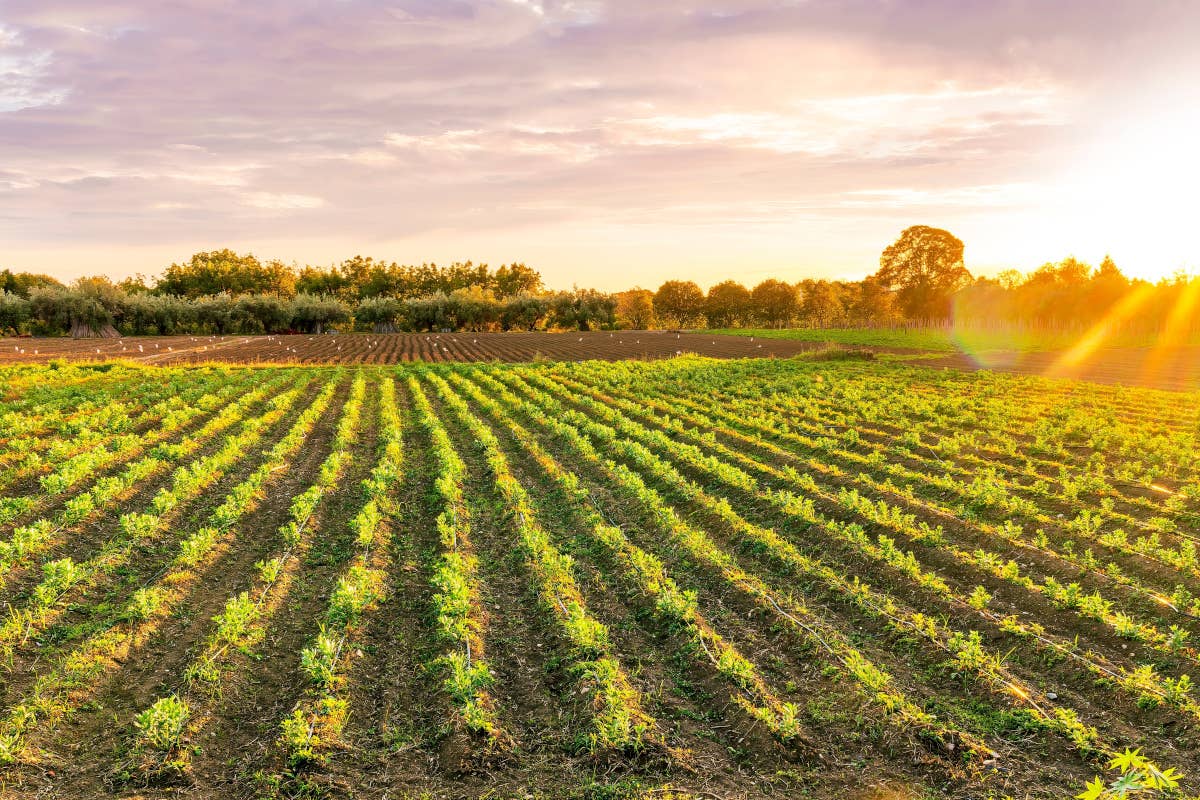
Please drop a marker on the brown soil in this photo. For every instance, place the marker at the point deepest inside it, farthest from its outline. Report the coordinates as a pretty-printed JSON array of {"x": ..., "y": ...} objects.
[{"x": 392, "y": 348}]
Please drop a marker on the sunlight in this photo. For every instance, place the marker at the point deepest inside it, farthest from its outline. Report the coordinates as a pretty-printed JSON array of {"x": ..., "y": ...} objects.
[
  {"x": 1131, "y": 192},
  {"x": 1179, "y": 325},
  {"x": 1099, "y": 333}
]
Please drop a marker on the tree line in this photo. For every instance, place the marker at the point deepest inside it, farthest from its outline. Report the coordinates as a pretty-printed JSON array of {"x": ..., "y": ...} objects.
[{"x": 921, "y": 278}]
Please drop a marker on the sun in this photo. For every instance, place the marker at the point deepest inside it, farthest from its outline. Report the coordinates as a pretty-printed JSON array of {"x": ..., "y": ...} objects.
[{"x": 1131, "y": 191}]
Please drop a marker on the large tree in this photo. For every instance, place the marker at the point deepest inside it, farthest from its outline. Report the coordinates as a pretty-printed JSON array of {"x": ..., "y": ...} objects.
[
  {"x": 514, "y": 279},
  {"x": 679, "y": 303},
  {"x": 22, "y": 283},
  {"x": 925, "y": 268},
  {"x": 775, "y": 302},
  {"x": 226, "y": 271},
  {"x": 728, "y": 305},
  {"x": 820, "y": 303},
  {"x": 635, "y": 309}
]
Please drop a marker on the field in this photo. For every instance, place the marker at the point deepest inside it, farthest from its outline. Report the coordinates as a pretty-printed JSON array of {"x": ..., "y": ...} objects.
[
  {"x": 802, "y": 577},
  {"x": 398, "y": 347}
]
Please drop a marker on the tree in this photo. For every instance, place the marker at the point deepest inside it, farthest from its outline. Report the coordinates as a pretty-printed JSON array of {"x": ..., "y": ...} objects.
[
  {"x": 22, "y": 283},
  {"x": 14, "y": 312},
  {"x": 320, "y": 281},
  {"x": 382, "y": 314},
  {"x": 679, "y": 303},
  {"x": 872, "y": 302},
  {"x": 149, "y": 314},
  {"x": 635, "y": 309},
  {"x": 220, "y": 271},
  {"x": 524, "y": 312},
  {"x": 924, "y": 267},
  {"x": 728, "y": 305},
  {"x": 135, "y": 284},
  {"x": 314, "y": 314},
  {"x": 219, "y": 313},
  {"x": 820, "y": 304},
  {"x": 87, "y": 310},
  {"x": 514, "y": 279},
  {"x": 472, "y": 308},
  {"x": 583, "y": 309},
  {"x": 775, "y": 302},
  {"x": 263, "y": 313}
]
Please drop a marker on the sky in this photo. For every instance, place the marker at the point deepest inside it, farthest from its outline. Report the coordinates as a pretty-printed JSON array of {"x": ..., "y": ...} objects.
[{"x": 606, "y": 144}]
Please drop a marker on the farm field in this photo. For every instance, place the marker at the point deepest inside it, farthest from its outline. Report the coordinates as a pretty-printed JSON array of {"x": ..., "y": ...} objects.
[
  {"x": 1174, "y": 369},
  {"x": 362, "y": 348},
  {"x": 756, "y": 577}
]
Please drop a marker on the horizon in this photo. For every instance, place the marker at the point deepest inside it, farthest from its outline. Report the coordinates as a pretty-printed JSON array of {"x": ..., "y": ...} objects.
[{"x": 604, "y": 145}]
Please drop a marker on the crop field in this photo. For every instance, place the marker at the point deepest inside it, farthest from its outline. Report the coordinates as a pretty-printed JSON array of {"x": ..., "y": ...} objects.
[
  {"x": 392, "y": 348},
  {"x": 678, "y": 578}
]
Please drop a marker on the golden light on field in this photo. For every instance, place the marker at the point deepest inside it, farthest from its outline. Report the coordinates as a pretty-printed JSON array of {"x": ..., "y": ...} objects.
[{"x": 1094, "y": 339}]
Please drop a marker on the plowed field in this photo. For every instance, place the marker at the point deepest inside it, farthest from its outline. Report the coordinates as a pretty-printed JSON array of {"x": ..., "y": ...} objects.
[{"x": 395, "y": 348}]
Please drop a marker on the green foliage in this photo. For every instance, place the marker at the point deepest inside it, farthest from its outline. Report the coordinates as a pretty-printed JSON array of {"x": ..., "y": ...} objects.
[
  {"x": 162, "y": 725},
  {"x": 1138, "y": 776}
]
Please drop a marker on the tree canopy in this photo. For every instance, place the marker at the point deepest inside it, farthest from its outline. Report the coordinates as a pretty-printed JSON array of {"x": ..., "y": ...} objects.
[
  {"x": 679, "y": 303},
  {"x": 925, "y": 268}
]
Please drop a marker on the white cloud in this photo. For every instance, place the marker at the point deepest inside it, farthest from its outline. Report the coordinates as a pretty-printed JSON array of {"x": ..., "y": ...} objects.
[{"x": 282, "y": 202}]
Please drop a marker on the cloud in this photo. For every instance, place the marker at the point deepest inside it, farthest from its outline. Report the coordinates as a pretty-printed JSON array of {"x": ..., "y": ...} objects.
[{"x": 426, "y": 125}]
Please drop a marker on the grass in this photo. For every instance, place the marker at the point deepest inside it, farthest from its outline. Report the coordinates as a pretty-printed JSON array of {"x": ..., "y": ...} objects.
[{"x": 947, "y": 340}]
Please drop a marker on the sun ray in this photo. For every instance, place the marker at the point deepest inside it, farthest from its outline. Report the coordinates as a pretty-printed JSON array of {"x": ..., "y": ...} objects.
[
  {"x": 1098, "y": 334},
  {"x": 1177, "y": 330}
]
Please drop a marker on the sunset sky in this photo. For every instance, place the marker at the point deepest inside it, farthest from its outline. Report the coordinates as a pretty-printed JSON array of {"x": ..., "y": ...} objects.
[{"x": 607, "y": 144}]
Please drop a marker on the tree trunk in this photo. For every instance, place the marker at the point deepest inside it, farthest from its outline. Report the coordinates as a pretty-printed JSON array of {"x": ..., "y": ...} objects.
[{"x": 83, "y": 330}]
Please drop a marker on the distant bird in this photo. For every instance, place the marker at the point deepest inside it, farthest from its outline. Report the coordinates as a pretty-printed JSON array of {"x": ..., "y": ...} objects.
[
  {"x": 140, "y": 350},
  {"x": 581, "y": 338}
]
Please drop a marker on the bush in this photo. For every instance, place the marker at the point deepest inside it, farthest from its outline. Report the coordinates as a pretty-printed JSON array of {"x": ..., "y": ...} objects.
[{"x": 15, "y": 312}]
